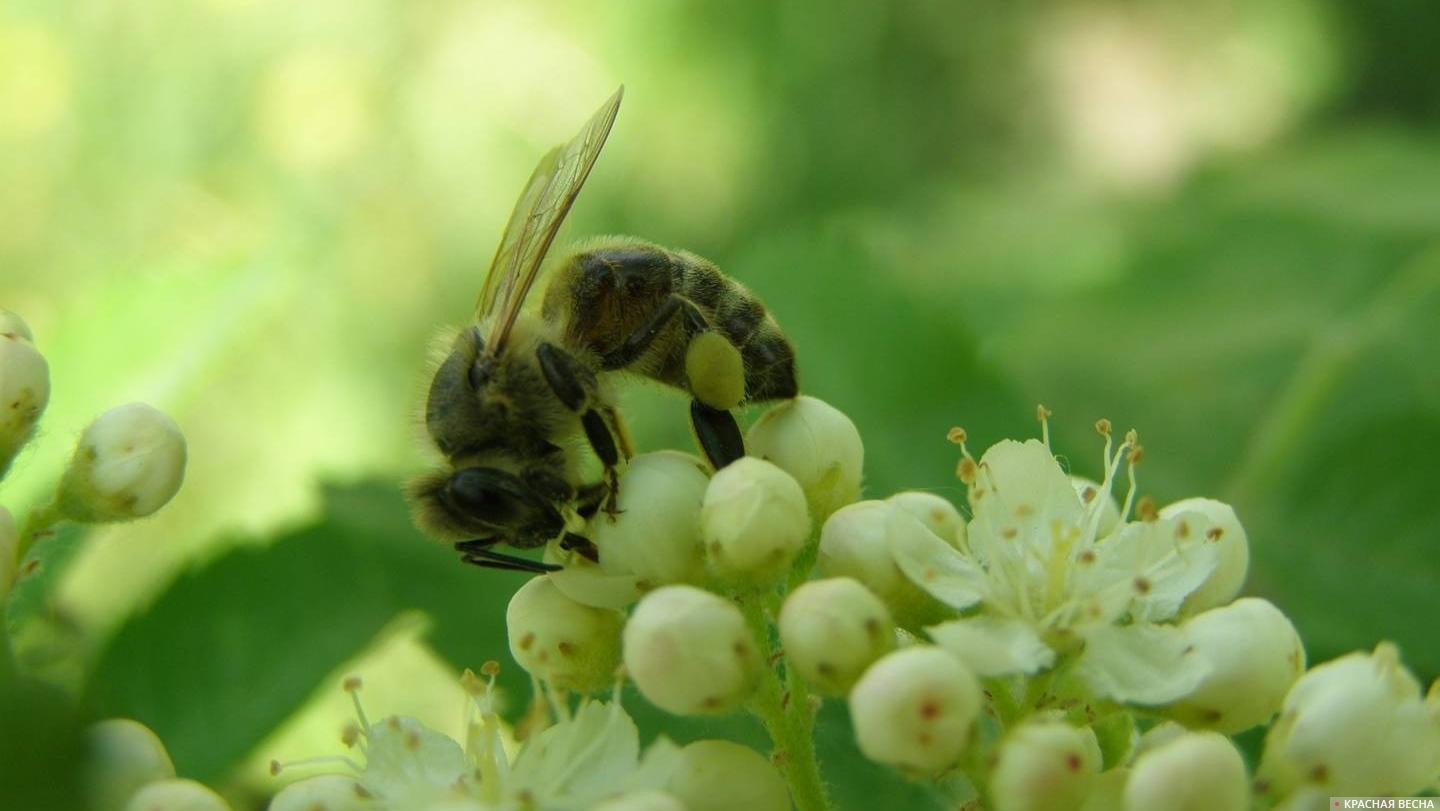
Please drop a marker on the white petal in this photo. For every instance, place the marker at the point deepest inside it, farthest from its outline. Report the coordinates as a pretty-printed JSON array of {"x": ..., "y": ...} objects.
[
  {"x": 930, "y": 563},
  {"x": 1140, "y": 664},
  {"x": 593, "y": 586},
  {"x": 1021, "y": 495},
  {"x": 993, "y": 646},
  {"x": 1150, "y": 567},
  {"x": 576, "y": 763}
]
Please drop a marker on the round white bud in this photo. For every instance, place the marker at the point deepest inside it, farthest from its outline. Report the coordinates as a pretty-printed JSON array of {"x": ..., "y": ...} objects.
[
  {"x": 689, "y": 651},
  {"x": 122, "y": 756},
  {"x": 1045, "y": 765},
  {"x": 818, "y": 445},
  {"x": 1255, "y": 654},
  {"x": 915, "y": 709},
  {"x": 176, "y": 795},
  {"x": 656, "y": 533},
  {"x": 1197, "y": 771},
  {"x": 722, "y": 775},
  {"x": 1356, "y": 726},
  {"x": 9, "y": 541},
  {"x": 325, "y": 792},
  {"x": 715, "y": 371},
  {"x": 832, "y": 630},
  {"x": 1232, "y": 552},
  {"x": 754, "y": 522},
  {"x": 643, "y": 800},
  {"x": 936, "y": 513},
  {"x": 13, "y": 326},
  {"x": 854, "y": 543},
  {"x": 570, "y": 645},
  {"x": 128, "y": 464},
  {"x": 24, "y": 389}
]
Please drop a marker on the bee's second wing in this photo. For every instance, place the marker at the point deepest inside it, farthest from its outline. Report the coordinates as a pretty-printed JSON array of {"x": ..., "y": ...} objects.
[{"x": 535, "y": 221}]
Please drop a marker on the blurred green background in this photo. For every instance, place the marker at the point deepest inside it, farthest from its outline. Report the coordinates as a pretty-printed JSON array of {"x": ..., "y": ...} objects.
[{"x": 1215, "y": 221}]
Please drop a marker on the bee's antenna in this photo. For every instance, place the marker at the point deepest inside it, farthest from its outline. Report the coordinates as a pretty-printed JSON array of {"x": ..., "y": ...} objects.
[{"x": 472, "y": 552}]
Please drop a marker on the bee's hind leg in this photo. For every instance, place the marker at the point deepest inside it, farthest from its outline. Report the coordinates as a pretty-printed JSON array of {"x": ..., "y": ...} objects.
[
  {"x": 718, "y": 434},
  {"x": 582, "y": 545}
]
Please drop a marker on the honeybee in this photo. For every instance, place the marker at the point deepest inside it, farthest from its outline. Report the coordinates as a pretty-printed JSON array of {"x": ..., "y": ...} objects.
[{"x": 518, "y": 389}]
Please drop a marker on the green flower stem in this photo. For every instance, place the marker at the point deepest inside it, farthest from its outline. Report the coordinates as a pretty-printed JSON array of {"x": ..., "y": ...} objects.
[
  {"x": 786, "y": 716},
  {"x": 38, "y": 524}
]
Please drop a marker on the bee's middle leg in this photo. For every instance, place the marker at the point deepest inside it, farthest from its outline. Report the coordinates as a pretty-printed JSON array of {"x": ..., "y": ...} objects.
[{"x": 575, "y": 384}]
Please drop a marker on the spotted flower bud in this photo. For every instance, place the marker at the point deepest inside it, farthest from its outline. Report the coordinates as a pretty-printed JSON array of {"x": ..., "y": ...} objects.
[
  {"x": 722, "y": 775},
  {"x": 569, "y": 645},
  {"x": 646, "y": 800},
  {"x": 689, "y": 651},
  {"x": 24, "y": 387},
  {"x": 655, "y": 535},
  {"x": 176, "y": 795},
  {"x": 9, "y": 540},
  {"x": 915, "y": 709},
  {"x": 326, "y": 792},
  {"x": 818, "y": 445},
  {"x": 937, "y": 514},
  {"x": 1356, "y": 726},
  {"x": 1254, "y": 653},
  {"x": 123, "y": 756},
  {"x": 128, "y": 464},
  {"x": 855, "y": 543},
  {"x": 754, "y": 522},
  {"x": 1045, "y": 765},
  {"x": 1232, "y": 552},
  {"x": 1197, "y": 771},
  {"x": 832, "y": 630}
]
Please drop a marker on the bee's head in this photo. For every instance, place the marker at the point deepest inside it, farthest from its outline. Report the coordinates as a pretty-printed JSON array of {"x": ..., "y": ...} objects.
[
  {"x": 483, "y": 503},
  {"x": 455, "y": 410}
]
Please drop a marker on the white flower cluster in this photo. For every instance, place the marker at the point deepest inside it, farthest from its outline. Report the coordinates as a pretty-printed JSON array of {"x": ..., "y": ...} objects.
[
  {"x": 589, "y": 759},
  {"x": 128, "y": 463},
  {"x": 1024, "y": 647}
]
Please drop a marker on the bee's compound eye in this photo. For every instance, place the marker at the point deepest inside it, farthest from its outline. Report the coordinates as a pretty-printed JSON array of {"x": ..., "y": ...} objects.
[{"x": 477, "y": 492}]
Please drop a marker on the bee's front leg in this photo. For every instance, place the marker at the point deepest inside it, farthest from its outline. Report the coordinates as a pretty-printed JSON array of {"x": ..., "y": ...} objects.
[{"x": 575, "y": 385}]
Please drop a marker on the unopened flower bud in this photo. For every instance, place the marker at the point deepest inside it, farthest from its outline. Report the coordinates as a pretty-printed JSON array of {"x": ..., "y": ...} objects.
[
  {"x": 1357, "y": 726},
  {"x": 326, "y": 792},
  {"x": 176, "y": 795},
  {"x": 13, "y": 326},
  {"x": 569, "y": 645},
  {"x": 1045, "y": 765},
  {"x": 123, "y": 755},
  {"x": 936, "y": 513},
  {"x": 24, "y": 387},
  {"x": 754, "y": 522},
  {"x": 128, "y": 464},
  {"x": 855, "y": 543},
  {"x": 655, "y": 534},
  {"x": 644, "y": 800},
  {"x": 1197, "y": 771},
  {"x": 689, "y": 651},
  {"x": 832, "y": 630},
  {"x": 818, "y": 445},
  {"x": 1255, "y": 654},
  {"x": 915, "y": 709},
  {"x": 722, "y": 775},
  {"x": 1232, "y": 552}
]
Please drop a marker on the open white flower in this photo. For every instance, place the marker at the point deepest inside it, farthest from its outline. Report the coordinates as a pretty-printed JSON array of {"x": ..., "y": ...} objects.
[
  {"x": 587, "y": 757},
  {"x": 1047, "y": 577}
]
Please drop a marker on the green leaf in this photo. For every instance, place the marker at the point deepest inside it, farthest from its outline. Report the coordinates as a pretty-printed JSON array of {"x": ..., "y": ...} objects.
[{"x": 231, "y": 650}]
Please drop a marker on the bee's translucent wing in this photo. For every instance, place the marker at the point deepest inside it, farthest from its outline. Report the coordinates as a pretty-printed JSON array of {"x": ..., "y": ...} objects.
[{"x": 535, "y": 221}]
